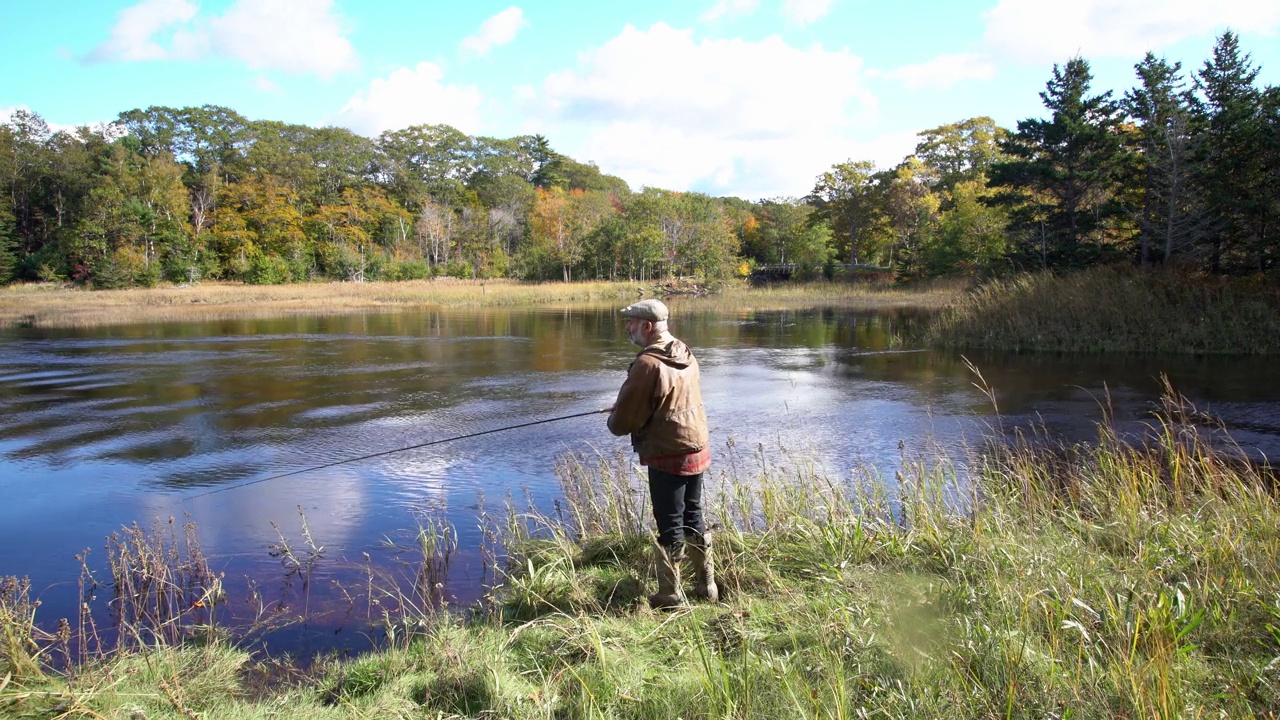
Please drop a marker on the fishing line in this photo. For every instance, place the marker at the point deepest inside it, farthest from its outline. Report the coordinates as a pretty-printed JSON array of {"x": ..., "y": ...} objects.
[{"x": 388, "y": 452}]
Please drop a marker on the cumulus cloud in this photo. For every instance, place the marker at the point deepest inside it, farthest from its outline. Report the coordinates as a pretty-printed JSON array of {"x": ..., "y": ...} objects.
[
  {"x": 729, "y": 8},
  {"x": 944, "y": 71},
  {"x": 804, "y": 12},
  {"x": 132, "y": 37},
  {"x": 412, "y": 96},
  {"x": 497, "y": 30},
  {"x": 660, "y": 108},
  {"x": 1034, "y": 31},
  {"x": 298, "y": 36}
]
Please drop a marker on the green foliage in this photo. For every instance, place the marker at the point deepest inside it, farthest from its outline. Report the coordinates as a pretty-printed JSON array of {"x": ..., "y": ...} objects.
[
  {"x": 408, "y": 270},
  {"x": 266, "y": 269},
  {"x": 1184, "y": 170},
  {"x": 8, "y": 257},
  {"x": 1066, "y": 172}
]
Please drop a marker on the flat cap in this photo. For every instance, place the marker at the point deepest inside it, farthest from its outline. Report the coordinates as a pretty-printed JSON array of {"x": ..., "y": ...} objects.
[{"x": 651, "y": 310}]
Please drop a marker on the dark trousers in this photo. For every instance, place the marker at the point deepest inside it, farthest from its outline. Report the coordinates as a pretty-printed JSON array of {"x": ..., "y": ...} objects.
[{"x": 677, "y": 507}]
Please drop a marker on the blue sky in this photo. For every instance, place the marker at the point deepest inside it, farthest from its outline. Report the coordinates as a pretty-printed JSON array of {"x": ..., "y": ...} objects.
[{"x": 752, "y": 98}]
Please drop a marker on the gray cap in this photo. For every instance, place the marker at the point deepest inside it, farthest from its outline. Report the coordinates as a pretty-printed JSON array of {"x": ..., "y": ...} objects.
[{"x": 651, "y": 310}]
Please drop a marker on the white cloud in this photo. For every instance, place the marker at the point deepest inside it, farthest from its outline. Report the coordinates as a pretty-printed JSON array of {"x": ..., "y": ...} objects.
[
  {"x": 804, "y": 12},
  {"x": 658, "y": 108},
  {"x": 1034, "y": 31},
  {"x": 265, "y": 84},
  {"x": 944, "y": 71},
  {"x": 497, "y": 30},
  {"x": 132, "y": 36},
  {"x": 298, "y": 36},
  {"x": 729, "y": 8},
  {"x": 412, "y": 96}
]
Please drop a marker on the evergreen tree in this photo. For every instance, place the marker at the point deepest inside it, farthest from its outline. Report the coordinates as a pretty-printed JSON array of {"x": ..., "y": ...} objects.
[
  {"x": 1074, "y": 163},
  {"x": 1234, "y": 173},
  {"x": 1172, "y": 218}
]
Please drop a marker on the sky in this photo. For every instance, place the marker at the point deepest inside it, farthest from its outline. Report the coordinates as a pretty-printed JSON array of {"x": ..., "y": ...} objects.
[{"x": 750, "y": 98}]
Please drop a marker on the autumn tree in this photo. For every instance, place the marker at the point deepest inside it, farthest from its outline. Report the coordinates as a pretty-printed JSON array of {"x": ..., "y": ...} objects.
[
  {"x": 960, "y": 151},
  {"x": 847, "y": 198}
]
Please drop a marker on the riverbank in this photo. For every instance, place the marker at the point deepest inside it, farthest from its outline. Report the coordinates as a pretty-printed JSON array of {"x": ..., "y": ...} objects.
[
  {"x": 49, "y": 305},
  {"x": 1102, "y": 581},
  {"x": 1116, "y": 309}
]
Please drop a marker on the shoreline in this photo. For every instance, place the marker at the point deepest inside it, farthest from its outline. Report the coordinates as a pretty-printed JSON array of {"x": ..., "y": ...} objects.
[
  {"x": 58, "y": 306},
  {"x": 1106, "y": 581}
]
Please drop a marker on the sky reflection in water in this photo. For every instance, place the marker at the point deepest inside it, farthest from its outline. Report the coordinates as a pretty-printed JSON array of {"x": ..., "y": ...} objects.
[{"x": 100, "y": 428}]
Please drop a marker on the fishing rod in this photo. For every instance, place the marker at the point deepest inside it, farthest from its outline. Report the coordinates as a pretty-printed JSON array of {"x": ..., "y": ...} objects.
[{"x": 389, "y": 452}]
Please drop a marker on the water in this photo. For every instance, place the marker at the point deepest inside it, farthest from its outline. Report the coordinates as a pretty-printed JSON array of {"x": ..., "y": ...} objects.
[{"x": 104, "y": 427}]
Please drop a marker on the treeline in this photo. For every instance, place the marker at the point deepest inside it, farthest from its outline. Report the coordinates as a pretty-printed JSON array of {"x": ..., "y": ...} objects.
[{"x": 1183, "y": 168}]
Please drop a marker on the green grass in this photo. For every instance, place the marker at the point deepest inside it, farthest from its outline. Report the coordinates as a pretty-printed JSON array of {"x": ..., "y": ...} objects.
[
  {"x": 1117, "y": 309},
  {"x": 1092, "y": 581}
]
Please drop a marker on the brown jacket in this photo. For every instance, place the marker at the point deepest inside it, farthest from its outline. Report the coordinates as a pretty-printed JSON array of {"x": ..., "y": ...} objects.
[{"x": 660, "y": 403}]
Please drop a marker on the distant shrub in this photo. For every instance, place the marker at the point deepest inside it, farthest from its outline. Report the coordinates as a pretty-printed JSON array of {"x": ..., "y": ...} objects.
[
  {"x": 266, "y": 269},
  {"x": 458, "y": 269},
  {"x": 408, "y": 270}
]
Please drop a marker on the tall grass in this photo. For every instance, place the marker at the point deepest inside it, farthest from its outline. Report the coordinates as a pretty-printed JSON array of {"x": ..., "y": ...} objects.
[
  {"x": 1026, "y": 579},
  {"x": 53, "y": 306},
  {"x": 1117, "y": 309}
]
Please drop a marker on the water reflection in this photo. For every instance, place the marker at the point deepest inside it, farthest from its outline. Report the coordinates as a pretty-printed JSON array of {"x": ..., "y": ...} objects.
[{"x": 102, "y": 427}]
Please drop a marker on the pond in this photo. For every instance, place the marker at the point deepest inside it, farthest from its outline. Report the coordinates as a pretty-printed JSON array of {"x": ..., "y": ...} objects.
[{"x": 104, "y": 427}]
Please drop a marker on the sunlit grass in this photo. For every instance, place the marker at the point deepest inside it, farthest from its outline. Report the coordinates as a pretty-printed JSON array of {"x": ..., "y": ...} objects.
[
  {"x": 1023, "y": 579},
  {"x": 49, "y": 305},
  {"x": 1117, "y": 309}
]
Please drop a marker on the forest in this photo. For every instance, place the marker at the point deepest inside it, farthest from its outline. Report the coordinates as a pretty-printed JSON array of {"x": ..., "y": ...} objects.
[{"x": 1182, "y": 169}]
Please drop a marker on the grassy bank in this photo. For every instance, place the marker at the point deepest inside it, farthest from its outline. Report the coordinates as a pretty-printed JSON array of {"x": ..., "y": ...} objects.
[
  {"x": 1117, "y": 309},
  {"x": 58, "y": 306},
  {"x": 1086, "y": 582}
]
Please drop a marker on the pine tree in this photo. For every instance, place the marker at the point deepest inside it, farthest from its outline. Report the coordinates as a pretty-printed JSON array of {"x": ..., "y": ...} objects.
[
  {"x": 1173, "y": 219},
  {"x": 1233, "y": 174},
  {"x": 1074, "y": 162}
]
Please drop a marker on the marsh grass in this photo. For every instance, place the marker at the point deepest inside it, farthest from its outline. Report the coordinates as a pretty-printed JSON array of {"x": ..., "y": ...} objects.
[
  {"x": 1122, "y": 578},
  {"x": 1116, "y": 309},
  {"x": 56, "y": 306}
]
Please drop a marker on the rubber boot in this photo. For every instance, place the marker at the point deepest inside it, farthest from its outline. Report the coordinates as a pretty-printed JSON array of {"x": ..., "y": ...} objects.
[
  {"x": 667, "y": 566},
  {"x": 704, "y": 569}
]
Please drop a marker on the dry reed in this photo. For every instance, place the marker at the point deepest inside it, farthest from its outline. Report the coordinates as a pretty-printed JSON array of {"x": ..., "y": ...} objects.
[{"x": 47, "y": 305}]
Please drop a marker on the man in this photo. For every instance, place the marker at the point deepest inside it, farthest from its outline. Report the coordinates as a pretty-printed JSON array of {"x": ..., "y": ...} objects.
[{"x": 660, "y": 405}]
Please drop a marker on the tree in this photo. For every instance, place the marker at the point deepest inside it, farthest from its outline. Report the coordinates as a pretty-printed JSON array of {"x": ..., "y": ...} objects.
[
  {"x": 434, "y": 228},
  {"x": 425, "y": 160},
  {"x": 1172, "y": 217},
  {"x": 960, "y": 151},
  {"x": 911, "y": 209},
  {"x": 784, "y": 230},
  {"x": 971, "y": 232},
  {"x": 1075, "y": 161},
  {"x": 846, "y": 198},
  {"x": 1234, "y": 173}
]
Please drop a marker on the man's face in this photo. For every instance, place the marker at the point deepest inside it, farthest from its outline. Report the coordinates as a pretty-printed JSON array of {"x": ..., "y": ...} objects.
[{"x": 638, "y": 331}]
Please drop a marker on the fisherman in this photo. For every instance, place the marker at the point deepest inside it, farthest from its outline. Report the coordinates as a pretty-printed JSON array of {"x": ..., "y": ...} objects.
[{"x": 660, "y": 405}]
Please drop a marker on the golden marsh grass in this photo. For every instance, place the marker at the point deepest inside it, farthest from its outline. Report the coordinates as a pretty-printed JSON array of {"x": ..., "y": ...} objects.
[{"x": 49, "y": 305}]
